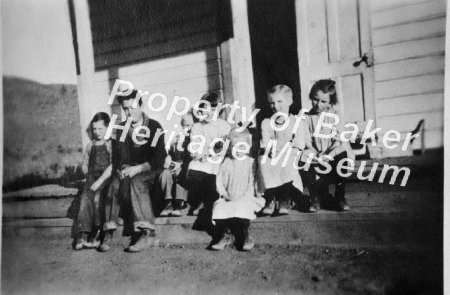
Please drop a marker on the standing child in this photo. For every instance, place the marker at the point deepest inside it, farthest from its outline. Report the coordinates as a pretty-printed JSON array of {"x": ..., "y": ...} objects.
[
  {"x": 280, "y": 183},
  {"x": 173, "y": 178},
  {"x": 237, "y": 204},
  {"x": 202, "y": 173},
  {"x": 323, "y": 97},
  {"x": 97, "y": 164}
]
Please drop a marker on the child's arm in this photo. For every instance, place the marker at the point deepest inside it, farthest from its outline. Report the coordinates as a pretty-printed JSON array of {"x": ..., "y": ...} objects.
[
  {"x": 85, "y": 161},
  {"x": 220, "y": 183},
  {"x": 99, "y": 182}
]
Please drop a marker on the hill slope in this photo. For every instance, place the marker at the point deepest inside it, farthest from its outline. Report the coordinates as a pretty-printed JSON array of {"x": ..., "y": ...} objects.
[{"x": 41, "y": 131}]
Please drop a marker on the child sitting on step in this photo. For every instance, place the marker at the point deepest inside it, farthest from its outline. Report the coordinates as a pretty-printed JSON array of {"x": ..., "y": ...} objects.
[
  {"x": 332, "y": 150},
  {"x": 173, "y": 178},
  {"x": 203, "y": 168},
  {"x": 97, "y": 164},
  {"x": 237, "y": 204},
  {"x": 280, "y": 184}
]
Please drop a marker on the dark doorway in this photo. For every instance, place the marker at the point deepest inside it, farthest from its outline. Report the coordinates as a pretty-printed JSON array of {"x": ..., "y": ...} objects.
[{"x": 273, "y": 40}]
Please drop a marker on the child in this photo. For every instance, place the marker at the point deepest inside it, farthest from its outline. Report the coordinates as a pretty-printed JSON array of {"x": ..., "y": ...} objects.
[
  {"x": 323, "y": 97},
  {"x": 202, "y": 173},
  {"x": 175, "y": 169},
  {"x": 97, "y": 164},
  {"x": 280, "y": 183},
  {"x": 237, "y": 204}
]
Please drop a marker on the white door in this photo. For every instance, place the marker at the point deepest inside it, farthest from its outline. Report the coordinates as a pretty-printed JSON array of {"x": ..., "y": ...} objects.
[{"x": 332, "y": 35}]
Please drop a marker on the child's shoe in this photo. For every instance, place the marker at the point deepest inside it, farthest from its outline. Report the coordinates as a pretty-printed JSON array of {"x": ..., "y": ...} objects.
[
  {"x": 222, "y": 243},
  {"x": 167, "y": 210},
  {"x": 93, "y": 242},
  {"x": 106, "y": 238},
  {"x": 249, "y": 244},
  {"x": 315, "y": 205},
  {"x": 146, "y": 239},
  {"x": 283, "y": 208},
  {"x": 269, "y": 208},
  {"x": 179, "y": 205},
  {"x": 342, "y": 205},
  {"x": 81, "y": 241},
  {"x": 340, "y": 197},
  {"x": 194, "y": 211}
]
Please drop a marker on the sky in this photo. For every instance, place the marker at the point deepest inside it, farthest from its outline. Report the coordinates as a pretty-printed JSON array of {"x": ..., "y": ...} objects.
[{"x": 37, "y": 41}]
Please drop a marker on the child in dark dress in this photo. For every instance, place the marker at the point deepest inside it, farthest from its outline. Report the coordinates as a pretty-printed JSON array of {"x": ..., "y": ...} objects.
[{"x": 97, "y": 164}]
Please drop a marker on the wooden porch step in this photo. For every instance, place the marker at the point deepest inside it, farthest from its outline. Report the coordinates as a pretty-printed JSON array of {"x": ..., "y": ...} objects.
[{"x": 378, "y": 227}]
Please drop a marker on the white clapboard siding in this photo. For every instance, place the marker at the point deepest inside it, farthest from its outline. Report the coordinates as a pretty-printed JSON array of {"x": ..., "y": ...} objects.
[
  {"x": 409, "y": 31},
  {"x": 410, "y": 67},
  {"x": 189, "y": 74},
  {"x": 408, "y": 122},
  {"x": 409, "y": 49},
  {"x": 408, "y": 38},
  {"x": 408, "y": 13},
  {"x": 408, "y": 86},
  {"x": 418, "y": 103},
  {"x": 380, "y": 5},
  {"x": 166, "y": 76}
]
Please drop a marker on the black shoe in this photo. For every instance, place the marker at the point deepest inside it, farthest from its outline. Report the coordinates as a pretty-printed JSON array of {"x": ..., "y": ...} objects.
[
  {"x": 315, "y": 205},
  {"x": 195, "y": 210},
  {"x": 178, "y": 207},
  {"x": 167, "y": 210},
  {"x": 105, "y": 239},
  {"x": 342, "y": 205}
]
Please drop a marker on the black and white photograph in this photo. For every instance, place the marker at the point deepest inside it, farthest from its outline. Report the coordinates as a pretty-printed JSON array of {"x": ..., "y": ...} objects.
[{"x": 223, "y": 147}]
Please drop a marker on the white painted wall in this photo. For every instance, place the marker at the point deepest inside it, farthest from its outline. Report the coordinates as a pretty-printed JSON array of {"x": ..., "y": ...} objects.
[{"x": 408, "y": 38}]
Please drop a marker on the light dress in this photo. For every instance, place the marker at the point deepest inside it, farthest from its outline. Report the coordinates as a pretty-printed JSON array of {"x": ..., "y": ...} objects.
[
  {"x": 325, "y": 144},
  {"x": 272, "y": 176},
  {"x": 210, "y": 131},
  {"x": 236, "y": 180}
]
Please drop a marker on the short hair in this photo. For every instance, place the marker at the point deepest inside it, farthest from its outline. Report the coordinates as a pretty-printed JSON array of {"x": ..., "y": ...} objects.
[
  {"x": 101, "y": 116},
  {"x": 132, "y": 95},
  {"x": 282, "y": 89},
  {"x": 326, "y": 86},
  {"x": 212, "y": 97}
]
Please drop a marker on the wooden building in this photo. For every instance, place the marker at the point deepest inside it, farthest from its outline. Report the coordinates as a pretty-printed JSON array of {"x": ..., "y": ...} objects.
[{"x": 240, "y": 48}]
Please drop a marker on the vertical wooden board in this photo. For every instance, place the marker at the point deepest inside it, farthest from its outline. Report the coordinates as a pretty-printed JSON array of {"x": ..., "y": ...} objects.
[
  {"x": 410, "y": 31},
  {"x": 410, "y": 67},
  {"x": 409, "y": 86},
  {"x": 409, "y": 13},
  {"x": 348, "y": 29},
  {"x": 351, "y": 98},
  {"x": 410, "y": 104},
  {"x": 410, "y": 49},
  {"x": 317, "y": 32}
]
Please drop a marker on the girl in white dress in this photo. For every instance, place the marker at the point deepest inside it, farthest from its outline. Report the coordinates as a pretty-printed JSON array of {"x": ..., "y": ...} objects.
[{"x": 238, "y": 201}]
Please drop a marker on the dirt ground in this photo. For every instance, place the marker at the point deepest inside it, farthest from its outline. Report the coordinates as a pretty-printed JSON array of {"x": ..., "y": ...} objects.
[{"x": 50, "y": 266}]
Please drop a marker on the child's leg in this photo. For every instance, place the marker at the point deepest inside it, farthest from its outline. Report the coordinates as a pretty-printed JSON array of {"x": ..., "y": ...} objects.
[
  {"x": 318, "y": 189},
  {"x": 339, "y": 181},
  {"x": 221, "y": 237},
  {"x": 286, "y": 193},
  {"x": 239, "y": 229},
  {"x": 166, "y": 185},
  {"x": 181, "y": 192},
  {"x": 269, "y": 195}
]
